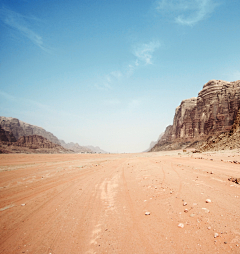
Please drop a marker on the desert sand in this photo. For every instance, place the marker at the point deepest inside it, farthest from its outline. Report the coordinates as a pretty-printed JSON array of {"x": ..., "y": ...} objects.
[{"x": 79, "y": 203}]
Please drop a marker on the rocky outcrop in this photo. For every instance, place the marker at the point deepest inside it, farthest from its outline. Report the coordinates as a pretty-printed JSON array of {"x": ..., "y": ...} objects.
[
  {"x": 31, "y": 144},
  {"x": 36, "y": 142},
  {"x": 6, "y": 136},
  {"x": 20, "y": 129},
  {"x": 196, "y": 119},
  {"x": 224, "y": 141}
]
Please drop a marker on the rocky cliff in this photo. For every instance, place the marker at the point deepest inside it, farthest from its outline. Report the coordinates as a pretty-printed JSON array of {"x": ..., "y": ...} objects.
[
  {"x": 6, "y": 136},
  {"x": 224, "y": 141},
  {"x": 20, "y": 129},
  {"x": 211, "y": 113},
  {"x": 28, "y": 144}
]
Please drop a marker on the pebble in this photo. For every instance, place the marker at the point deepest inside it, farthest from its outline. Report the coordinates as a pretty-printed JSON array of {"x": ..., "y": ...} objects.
[
  {"x": 184, "y": 203},
  {"x": 206, "y": 210},
  {"x": 170, "y": 192},
  {"x": 215, "y": 235},
  {"x": 147, "y": 213},
  {"x": 208, "y": 200},
  {"x": 181, "y": 225},
  {"x": 225, "y": 242},
  {"x": 186, "y": 210}
]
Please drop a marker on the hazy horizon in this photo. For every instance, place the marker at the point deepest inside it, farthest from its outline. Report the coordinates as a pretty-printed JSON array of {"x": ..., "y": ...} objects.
[{"x": 111, "y": 73}]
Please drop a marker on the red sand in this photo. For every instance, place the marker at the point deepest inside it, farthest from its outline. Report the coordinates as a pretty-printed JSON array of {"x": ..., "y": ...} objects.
[{"x": 97, "y": 203}]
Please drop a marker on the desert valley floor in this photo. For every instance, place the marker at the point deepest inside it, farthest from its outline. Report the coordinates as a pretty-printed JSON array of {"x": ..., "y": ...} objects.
[{"x": 82, "y": 203}]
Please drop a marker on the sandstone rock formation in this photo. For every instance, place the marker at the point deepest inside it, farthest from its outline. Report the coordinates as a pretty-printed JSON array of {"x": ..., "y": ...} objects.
[
  {"x": 224, "y": 141},
  {"x": 20, "y": 129},
  {"x": 29, "y": 144},
  {"x": 196, "y": 119},
  {"x": 6, "y": 136}
]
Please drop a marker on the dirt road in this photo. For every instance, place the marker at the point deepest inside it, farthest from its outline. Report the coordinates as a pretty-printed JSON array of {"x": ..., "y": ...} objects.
[{"x": 97, "y": 203}]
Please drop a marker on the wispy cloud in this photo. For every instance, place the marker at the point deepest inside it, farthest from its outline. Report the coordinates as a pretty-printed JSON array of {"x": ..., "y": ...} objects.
[
  {"x": 109, "y": 80},
  {"x": 186, "y": 12},
  {"x": 21, "y": 24},
  {"x": 143, "y": 54}
]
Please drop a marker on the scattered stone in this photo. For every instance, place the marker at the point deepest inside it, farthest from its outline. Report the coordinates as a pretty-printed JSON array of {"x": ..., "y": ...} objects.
[
  {"x": 234, "y": 180},
  {"x": 181, "y": 225},
  {"x": 147, "y": 213},
  {"x": 225, "y": 242},
  {"x": 184, "y": 203},
  {"x": 170, "y": 192},
  {"x": 186, "y": 210},
  {"x": 208, "y": 200},
  {"x": 215, "y": 235}
]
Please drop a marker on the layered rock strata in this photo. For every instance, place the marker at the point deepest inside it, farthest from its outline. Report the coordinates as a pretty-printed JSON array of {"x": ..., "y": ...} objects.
[
  {"x": 28, "y": 144},
  {"x": 20, "y": 129},
  {"x": 196, "y": 119}
]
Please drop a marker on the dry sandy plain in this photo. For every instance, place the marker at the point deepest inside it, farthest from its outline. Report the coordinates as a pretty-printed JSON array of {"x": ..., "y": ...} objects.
[{"x": 97, "y": 203}]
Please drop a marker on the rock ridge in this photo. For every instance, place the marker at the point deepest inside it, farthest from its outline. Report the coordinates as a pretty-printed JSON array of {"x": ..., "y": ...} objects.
[
  {"x": 196, "y": 119},
  {"x": 20, "y": 129}
]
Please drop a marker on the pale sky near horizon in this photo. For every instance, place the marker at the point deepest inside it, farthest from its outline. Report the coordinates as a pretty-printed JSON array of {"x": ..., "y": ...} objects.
[{"x": 110, "y": 73}]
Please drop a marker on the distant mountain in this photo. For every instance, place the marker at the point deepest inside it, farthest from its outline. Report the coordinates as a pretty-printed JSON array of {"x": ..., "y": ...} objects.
[
  {"x": 75, "y": 147},
  {"x": 96, "y": 149},
  {"x": 20, "y": 129},
  {"x": 28, "y": 144}
]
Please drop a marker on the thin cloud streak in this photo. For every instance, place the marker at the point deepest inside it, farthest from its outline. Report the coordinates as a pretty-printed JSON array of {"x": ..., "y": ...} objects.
[
  {"x": 143, "y": 53},
  {"x": 187, "y": 12},
  {"x": 19, "y": 23}
]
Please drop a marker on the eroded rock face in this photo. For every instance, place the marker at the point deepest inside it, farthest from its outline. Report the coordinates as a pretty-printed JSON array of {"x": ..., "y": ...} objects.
[
  {"x": 20, "y": 129},
  {"x": 6, "y": 136},
  {"x": 35, "y": 142},
  {"x": 211, "y": 113}
]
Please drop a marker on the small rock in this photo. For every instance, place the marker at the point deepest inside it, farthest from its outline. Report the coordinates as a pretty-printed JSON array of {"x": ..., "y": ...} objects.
[
  {"x": 206, "y": 210},
  {"x": 181, "y": 225},
  {"x": 147, "y": 213},
  {"x": 186, "y": 210},
  {"x": 170, "y": 192},
  {"x": 225, "y": 242},
  {"x": 192, "y": 215},
  {"x": 208, "y": 200},
  {"x": 23, "y": 204},
  {"x": 215, "y": 235},
  {"x": 184, "y": 203},
  {"x": 209, "y": 228}
]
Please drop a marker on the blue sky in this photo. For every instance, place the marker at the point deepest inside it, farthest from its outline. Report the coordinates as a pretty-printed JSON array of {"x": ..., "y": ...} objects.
[{"x": 110, "y": 73}]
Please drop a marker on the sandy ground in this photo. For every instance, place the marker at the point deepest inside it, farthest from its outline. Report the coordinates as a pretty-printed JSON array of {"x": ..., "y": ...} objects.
[{"x": 97, "y": 203}]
